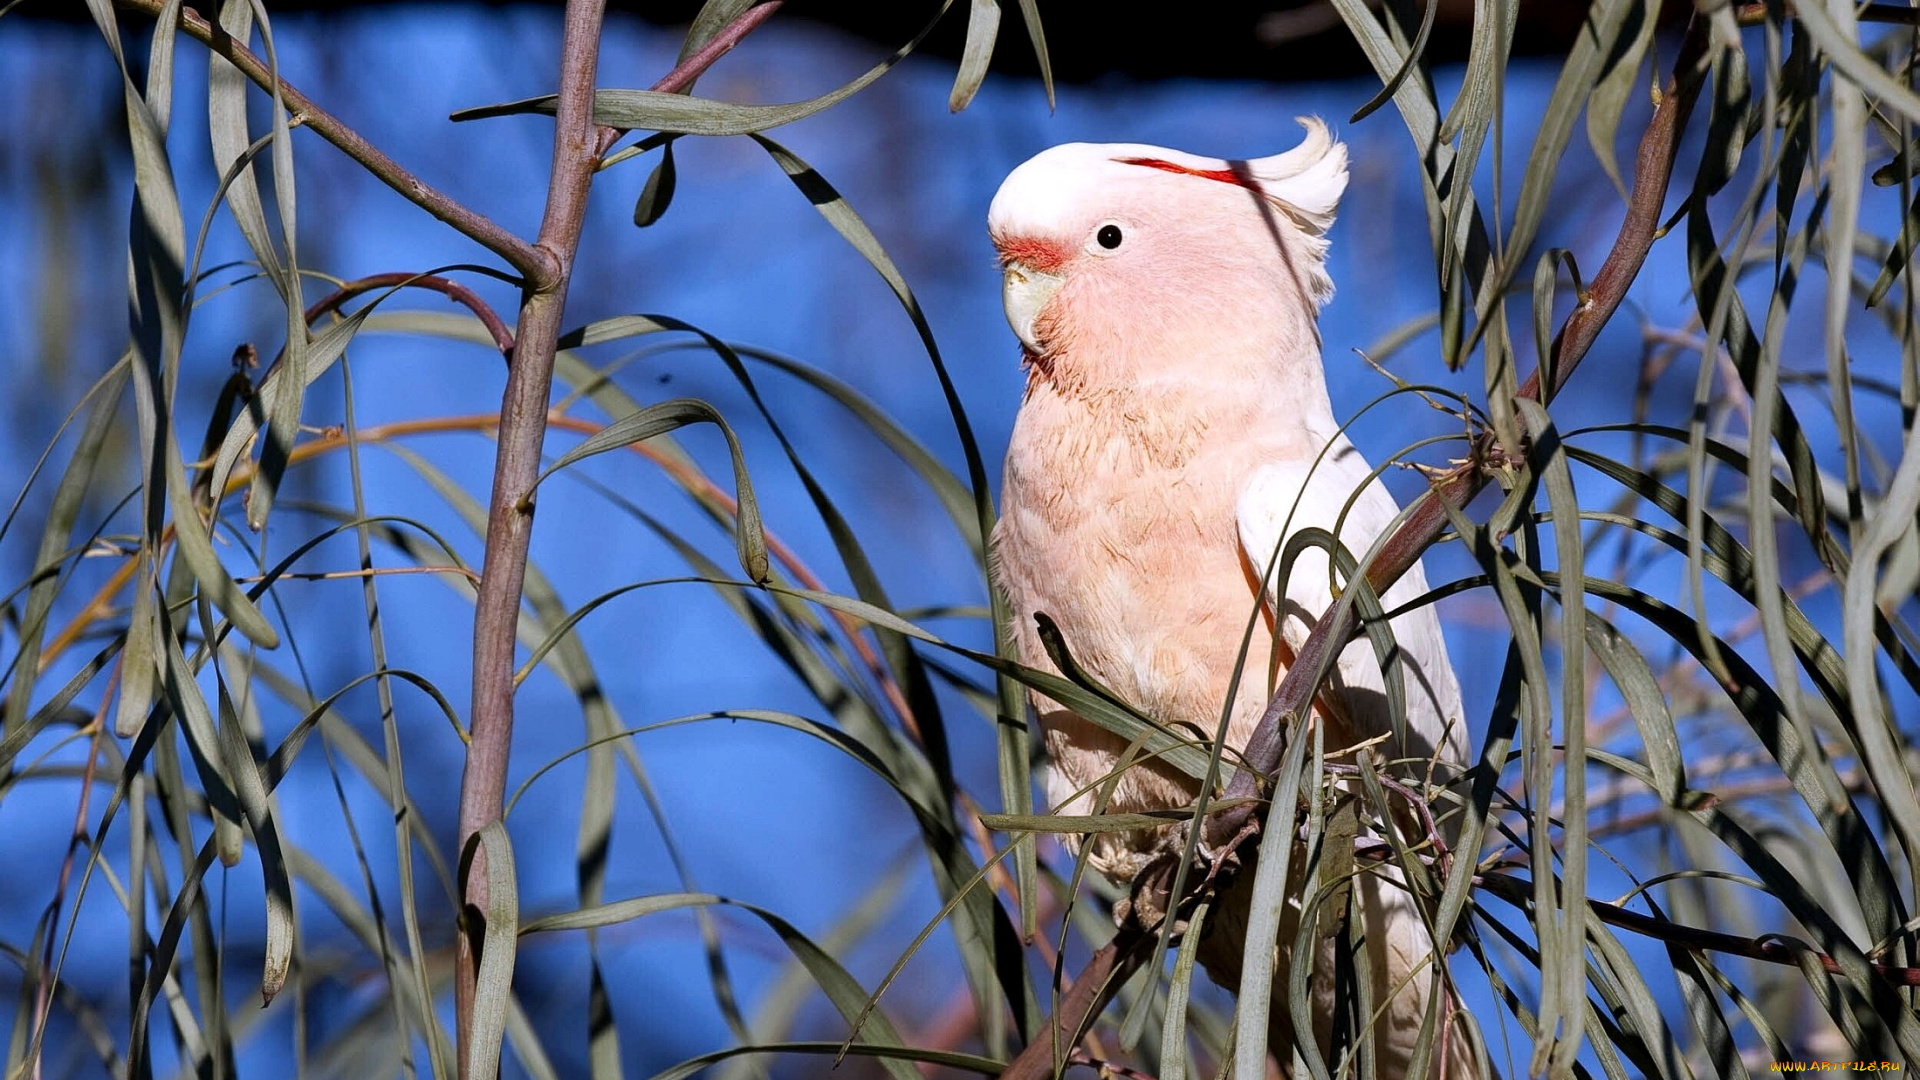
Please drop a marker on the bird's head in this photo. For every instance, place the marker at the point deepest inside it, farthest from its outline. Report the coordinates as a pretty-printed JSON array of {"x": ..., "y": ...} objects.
[{"x": 1147, "y": 258}]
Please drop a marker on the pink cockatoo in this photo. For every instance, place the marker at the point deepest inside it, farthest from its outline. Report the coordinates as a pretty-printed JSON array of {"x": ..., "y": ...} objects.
[{"x": 1175, "y": 430}]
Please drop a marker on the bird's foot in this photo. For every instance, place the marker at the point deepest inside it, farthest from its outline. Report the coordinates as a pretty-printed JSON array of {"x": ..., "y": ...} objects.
[
  {"x": 1147, "y": 903},
  {"x": 1225, "y": 860}
]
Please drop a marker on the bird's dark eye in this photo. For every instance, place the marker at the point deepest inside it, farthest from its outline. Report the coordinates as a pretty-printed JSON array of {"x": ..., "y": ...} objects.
[{"x": 1108, "y": 236}]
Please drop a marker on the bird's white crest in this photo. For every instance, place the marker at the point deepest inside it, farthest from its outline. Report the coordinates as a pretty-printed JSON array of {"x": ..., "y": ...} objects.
[
  {"x": 1308, "y": 179},
  {"x": 1304, "y": 184}
]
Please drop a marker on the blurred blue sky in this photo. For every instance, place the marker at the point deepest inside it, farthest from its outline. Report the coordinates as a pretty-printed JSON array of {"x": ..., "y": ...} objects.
[{"x": 764, "y": 816}]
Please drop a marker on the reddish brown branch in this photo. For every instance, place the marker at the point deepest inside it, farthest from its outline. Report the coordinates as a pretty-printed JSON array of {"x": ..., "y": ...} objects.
[
  {"x": 700, "y": 60},
  {"x": 523, "y": 430},
  {"x": 718, "y": 46},
  {"x": 1238, "y": 828},
  {"x": 1424, "y": 525},
  {"x": 453, "y": 290},
  {"x": 523, "y": 427}
]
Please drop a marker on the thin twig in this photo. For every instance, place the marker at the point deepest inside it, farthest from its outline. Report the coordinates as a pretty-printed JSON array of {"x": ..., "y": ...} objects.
[
  {"x": 716, "y": 47},
  {"x": 453, "y": 290},
  {"x": 699, "y": 61},
  {"x": 361, "y": 574},
  {"x": 1772, "y": 948},
  {"x": 1415, "y": 802},
  {"x": 1109, "y": 1069}
]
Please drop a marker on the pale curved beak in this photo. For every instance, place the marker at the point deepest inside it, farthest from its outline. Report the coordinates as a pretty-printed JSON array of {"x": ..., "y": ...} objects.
[{"x": 1025, "y": 291}]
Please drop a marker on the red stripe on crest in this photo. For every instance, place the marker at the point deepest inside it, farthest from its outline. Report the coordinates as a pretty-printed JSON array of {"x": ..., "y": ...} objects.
[{"x": 1225, "y": 176}]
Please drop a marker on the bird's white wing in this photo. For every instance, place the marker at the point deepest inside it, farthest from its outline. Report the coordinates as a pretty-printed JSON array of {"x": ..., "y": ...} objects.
[
  {"x": 1279, "y": 500},
  {"x": 1284, "y": 497}
]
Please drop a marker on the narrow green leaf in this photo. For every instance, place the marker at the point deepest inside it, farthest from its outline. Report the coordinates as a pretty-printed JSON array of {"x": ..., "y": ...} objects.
[
  {"x": 750, "y": 536},
  {"x": 983, "y": 27},
  {"x": 1731, "y": 95},
  {"x": 1460, "y": 244},
  {"x": 69, "y": 497},
  {"x": 139, "y": 672},
  {"x": 649, "y": 110},
  {"x": 845, "y": 992},
  {"x": 1546, "y": 274},
  {"x": 1268, "y": 905},
  {"x": 1647, "y": 703},
  {"x": 657, "y": 193},
  {"x": 1089, "y": 823},
  {"x": 1173, "y": 1033},
  {"x": 1415, "y": 53},
  {"x": 203, "y": 740},
  {"x": 1716, "y": 1036},
  {"x": 344, "y": 904},
  {"x": 881, "y": 1052},
  {"x": 1615, "y": 88},
  {"x": 1606, "y": 20},
  {"x": 1848, "y": 59},
  {"x": 952, "y": 492},
  {"x": 1899, "y": 254},
  {"x": 780, "y": 1006},
  {"x": 1030, "y": 14},
  {"x": 714, "y": 16},
  {"x": 1876, "y": 731},
  {"x": 227, "y": 128},
  {"x": 284, "y": 412},
  {"x": 165, "y": 951},
  {"x": 237, "y": 755},
  {"x": 1550, "y": 462},
  {"x": 493, "y": 988}
]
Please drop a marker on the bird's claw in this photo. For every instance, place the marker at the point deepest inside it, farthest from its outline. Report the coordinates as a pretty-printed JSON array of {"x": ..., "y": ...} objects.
[
  {"x": 1147, "y": 903},
  {"x": 1226, "y": 858}
]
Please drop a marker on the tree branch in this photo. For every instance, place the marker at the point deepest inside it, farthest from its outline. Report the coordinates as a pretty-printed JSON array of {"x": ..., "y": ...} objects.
[
  {"x": 1422, "y": 527},
  {"x": 523, "y": 426},
  {"x": 523, "y": 429},
  {"x": 453, "y": 290},
  {"x": 716, "y": 47},
  {"x": 1239, "y": 827},
  {"x": 701, "y": 59}
]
